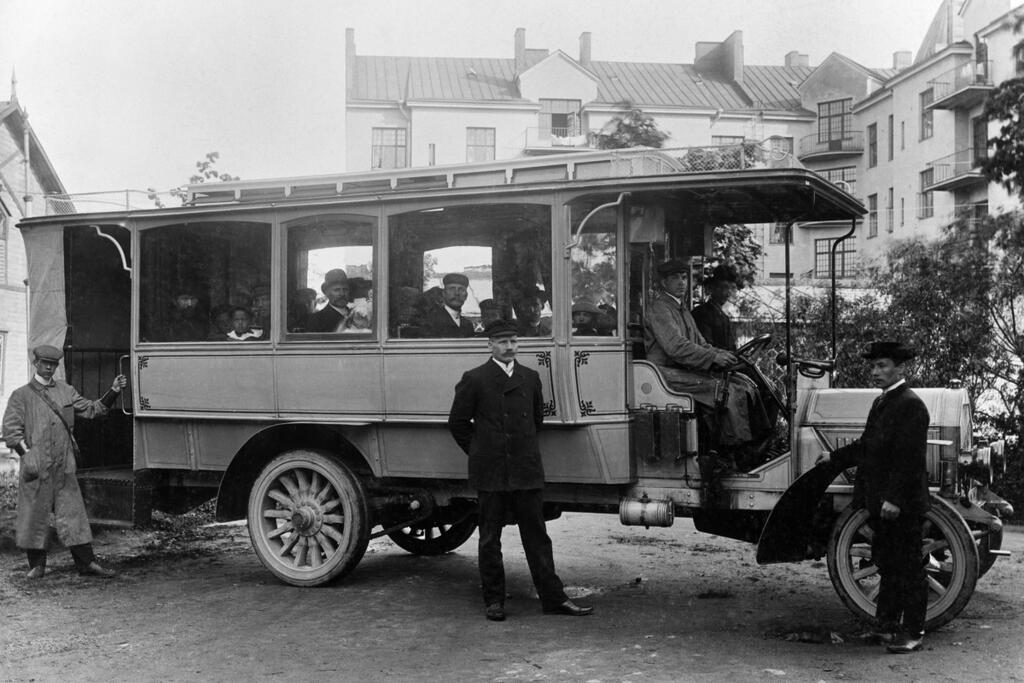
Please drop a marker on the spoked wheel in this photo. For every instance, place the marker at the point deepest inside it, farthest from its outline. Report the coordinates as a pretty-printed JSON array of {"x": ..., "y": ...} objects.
[
  {"x": 949, "y": 554},
  {"x": 435, "y": 536},
  {"x": 308, "y": 518}
]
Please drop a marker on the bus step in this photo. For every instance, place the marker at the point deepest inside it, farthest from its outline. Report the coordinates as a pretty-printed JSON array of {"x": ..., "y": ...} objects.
[{"x": 116, "y": 497}]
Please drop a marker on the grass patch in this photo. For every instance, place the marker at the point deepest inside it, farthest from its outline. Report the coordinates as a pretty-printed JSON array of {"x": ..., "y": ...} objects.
[{"x": 8, "y": 490}]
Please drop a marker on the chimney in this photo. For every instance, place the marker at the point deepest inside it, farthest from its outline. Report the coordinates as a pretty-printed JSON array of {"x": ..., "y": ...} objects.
[
  {"x": 585, "y": 49},
  {"x": 901, "y": 59},
  {"x": 795, "y": 59},
  {"x": 520, "y": 50},
  {"x": 350, "y": 59}
]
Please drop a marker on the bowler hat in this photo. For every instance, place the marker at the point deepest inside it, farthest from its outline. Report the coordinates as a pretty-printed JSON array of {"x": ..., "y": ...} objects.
[
  {"x": 334, "y": 275},
  {"x": 47, "y": 352},
  {"x": 722, "y": 273},
  {"x": 455, "y": 279},
  {"x": 501, "y": 328},
  {"x": 672, "y": 267},
  {"x": 888, "y": 349}
]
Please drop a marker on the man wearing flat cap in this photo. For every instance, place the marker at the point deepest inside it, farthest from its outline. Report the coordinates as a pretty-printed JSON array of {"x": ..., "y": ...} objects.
[
  {"x": 336, "y": 316},
  {"x": 497, "y": 410},
  {"x": 691, "y": 365},
  {"x": 712, "y": 320},
  {"x": 892, "y": 484},
  {"x": 447, "y": 320},
  {"x": 38, "y": 426}
]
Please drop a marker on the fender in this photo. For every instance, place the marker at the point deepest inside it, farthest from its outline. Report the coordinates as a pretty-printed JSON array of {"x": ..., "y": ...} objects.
[{"x": 789, "y": 531}]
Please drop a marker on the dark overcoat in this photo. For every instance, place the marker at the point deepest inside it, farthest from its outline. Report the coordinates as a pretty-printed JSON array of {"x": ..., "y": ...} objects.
[
  {"x": 326, "y": 319},
  {"x": 890, "y": 454},
  {"x": 437, "y": 323},
  {"x": 55, "y": 490},
  {"x": 494, "y": 419},
  {"x": 715, "y": 325}
]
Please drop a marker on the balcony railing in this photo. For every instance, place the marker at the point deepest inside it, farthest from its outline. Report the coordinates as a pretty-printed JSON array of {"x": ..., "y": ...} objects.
[
  {"x": 817, "y": 145},
  {"x": 560, "y": 138},
  {"x": 964, "y": 85},
  {"x": 960, "y": 168}
]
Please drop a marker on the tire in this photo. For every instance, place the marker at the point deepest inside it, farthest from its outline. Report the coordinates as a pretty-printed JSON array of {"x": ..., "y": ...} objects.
[
  {"x": 950, "y": 553},
  {"x": 308, "y": 518},
  {"x": 433, "y": 536}
]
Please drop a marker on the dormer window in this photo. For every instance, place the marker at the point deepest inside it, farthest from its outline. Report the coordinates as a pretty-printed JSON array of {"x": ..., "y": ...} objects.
[{"x": 561, "y": 118}]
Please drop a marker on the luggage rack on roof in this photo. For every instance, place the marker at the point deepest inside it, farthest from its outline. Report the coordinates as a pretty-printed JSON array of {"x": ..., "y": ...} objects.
[{"x": 594, "y": 165}]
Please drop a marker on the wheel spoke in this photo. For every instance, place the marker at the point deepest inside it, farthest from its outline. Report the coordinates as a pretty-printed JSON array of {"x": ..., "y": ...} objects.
[
  {"x": 287, "y": 546},
  {"x": 866, "y": 532},
  {"x": 325, "y": 544},
  {"x": 300, "y": 555},
  {"x": 333, "y": 533},
  {"x": 334, "y": 519},
  {"x": 861, "y": 551},
  {"x": 872, "y": 594},
  {"x": 280, "y": 497},
  {"x": 277, "y": 514},
  {"x": 283, "y": 529},
  {"x": 935, "y": 587},
  {"x": 933, "y": 544},
  {"x": 314, "y": 552},
  {"x": 330, "y": 505},
  {"x": 322, "y": 494},
  {"x": 300, "y": 476},
  {"x": 865, "y": 573},
  {"x": 289, "y": 484}
]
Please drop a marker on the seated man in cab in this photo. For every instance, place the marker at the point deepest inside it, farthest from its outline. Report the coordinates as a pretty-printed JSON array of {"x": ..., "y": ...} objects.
[
  {"x": 693, "y": 366},
  {"x": 447, "y": 320},
  {"x": 713, "y": 322}
]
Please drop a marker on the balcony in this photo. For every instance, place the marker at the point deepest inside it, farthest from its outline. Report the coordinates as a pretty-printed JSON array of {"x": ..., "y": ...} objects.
[
  {"x": 962, "y": 87},
  {"x": 556, "y": 140},
  {"x": 817, "y": 147},
  {"x": 959, "y": 169}
]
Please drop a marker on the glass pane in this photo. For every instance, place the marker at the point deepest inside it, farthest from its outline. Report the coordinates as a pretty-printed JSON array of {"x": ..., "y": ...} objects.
[
  {"x": 454, "y": 269},
  {"x": 196, "y": 278},
  {"x": 594, "y": 267},
  {"x": 330, "y": 275}
]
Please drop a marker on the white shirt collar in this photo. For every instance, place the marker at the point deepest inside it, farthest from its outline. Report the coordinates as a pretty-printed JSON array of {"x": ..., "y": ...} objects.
[
  {"x": 676, "y": 299},
  {"x": 893, "y": 386},
  {"x": 506, "y": 367},
  {"x": 42, "y": 381},
  {"x": 455, "y": 315}
]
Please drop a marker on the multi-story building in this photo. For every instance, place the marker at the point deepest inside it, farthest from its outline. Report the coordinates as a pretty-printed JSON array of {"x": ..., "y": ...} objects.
[
  {"x": 906, "y": 139},
  {"x": 26, "y": 176}
]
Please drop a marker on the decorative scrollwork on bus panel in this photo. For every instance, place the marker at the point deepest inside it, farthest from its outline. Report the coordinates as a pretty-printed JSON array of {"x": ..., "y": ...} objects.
[
  {"x": 586, "y": 408},
  {"x": 544, "y": 361},
  {"x": 588, "y": 369},
  {"x": 143, "y": 362},
  {"x": 144, "y": 403}
]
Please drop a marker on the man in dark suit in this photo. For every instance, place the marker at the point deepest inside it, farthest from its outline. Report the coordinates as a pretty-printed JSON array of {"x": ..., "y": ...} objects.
[
  {"x": 447, "y": 320},
  {"x": 892, "y": 484},
  {"x": 713, "y": 322},
  {"x": 497, "y": 411},
  {"x": 335, "y": 315}
]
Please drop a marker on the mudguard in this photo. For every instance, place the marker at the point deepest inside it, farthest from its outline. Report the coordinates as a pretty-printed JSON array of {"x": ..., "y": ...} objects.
[{"x": 789, "y": 532}]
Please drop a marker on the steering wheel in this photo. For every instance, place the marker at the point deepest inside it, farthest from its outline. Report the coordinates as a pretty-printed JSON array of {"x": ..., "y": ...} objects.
[{"x": 758, "y": 343}]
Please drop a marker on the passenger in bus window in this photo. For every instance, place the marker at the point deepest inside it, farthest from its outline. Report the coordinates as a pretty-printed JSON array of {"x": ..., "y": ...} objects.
[
  {"x": 184, "y": 322},
  {"x": 712, "y": 320},
  {"x": 336, "y": 315},
  {"x": 584, "y": 319},
  {"x": 241, "y": 326},
  {"x": 691, "y": 365},
  {"x": 220, "y": 323},
  {"x": 528, "y": 305},
  {"x": 490, "y": 310},
  {"x": 261, "y": 308},
  {"x": 447, "y": 320}
]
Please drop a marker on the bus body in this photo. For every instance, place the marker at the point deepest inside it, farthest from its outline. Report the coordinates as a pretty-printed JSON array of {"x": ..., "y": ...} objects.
[{"x": 324, "y": 439}]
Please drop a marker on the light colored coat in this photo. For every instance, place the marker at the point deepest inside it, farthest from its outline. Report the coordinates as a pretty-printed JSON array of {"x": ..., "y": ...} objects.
[{"x": 55, "y": 491}]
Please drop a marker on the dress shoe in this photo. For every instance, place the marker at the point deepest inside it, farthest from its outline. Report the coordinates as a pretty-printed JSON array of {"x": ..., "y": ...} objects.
[
  {"x": 905, "y": 643},
  {"x": 495, "y": 612},
  {"x": 96, "y": 569},
  {"x": 569, "y": 608},
  {"x": 37, "y": 571}
]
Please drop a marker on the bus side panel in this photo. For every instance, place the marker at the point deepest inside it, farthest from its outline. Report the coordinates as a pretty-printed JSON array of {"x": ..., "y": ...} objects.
[
  {"x": 162, "y": 445},
  {"x": 599, "y": 380},
  {"x": 332, "y": 382},
  {"x": 239, "y": 382},
  {"x": 186, "y": 444},
  {"x": 421, "y": 451}
]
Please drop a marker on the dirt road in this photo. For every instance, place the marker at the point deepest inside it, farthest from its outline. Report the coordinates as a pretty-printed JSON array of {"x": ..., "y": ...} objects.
[{"x": 671, "y": 605}]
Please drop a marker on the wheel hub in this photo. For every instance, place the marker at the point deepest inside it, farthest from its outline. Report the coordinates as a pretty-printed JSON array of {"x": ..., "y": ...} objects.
[{"x": 307, "y": 519}]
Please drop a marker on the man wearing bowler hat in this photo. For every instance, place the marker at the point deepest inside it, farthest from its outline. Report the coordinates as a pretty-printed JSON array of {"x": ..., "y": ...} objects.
[
  {"x": 336, "y": 316},
  {"x": 713, "y": 322},
  {"x": 692, "y": 365},
  {"x": 38, "y": 426},
  {"x": 497, "y": 410},
  {"x": 447, "y": 320},
  {"x": 892, "y": 484}
]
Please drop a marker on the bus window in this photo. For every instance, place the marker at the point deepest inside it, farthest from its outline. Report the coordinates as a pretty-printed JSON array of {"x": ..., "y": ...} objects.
[
  {"x": 595, "y": 266},
  {"x": 452, "y": 268},
  {"x": 330, "y": 275},
  {"x": 192, "y": 274}
]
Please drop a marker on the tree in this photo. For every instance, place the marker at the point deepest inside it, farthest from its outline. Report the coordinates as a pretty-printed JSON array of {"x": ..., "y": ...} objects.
[
  {"x": 630, "y": 128},
  {"x": 206, "y": 170},
  {"x": 1005, "y": 164}
]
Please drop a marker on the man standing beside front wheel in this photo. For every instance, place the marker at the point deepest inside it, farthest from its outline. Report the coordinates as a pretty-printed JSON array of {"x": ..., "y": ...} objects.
[{"x": 892, "y": 484}]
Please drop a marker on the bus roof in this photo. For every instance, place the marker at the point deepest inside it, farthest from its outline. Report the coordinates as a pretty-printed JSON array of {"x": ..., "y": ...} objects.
[{"x": 734, "y": 183}]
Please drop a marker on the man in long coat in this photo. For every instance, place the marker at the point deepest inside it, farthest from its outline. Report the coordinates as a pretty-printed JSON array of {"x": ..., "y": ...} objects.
[
  {"x": 892, "y": 484},
  {"x": 47, "y": 484},
  {"x": 497, "y": 410},
  {"x": 688, "y": 362}
]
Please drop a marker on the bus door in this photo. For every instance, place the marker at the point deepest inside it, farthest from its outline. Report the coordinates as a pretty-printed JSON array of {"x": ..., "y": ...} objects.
[{"x": 98, "y": 309}]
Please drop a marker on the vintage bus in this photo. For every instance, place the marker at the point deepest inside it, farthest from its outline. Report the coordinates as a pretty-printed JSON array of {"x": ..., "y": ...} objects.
[{"x": 323, "y": 438}]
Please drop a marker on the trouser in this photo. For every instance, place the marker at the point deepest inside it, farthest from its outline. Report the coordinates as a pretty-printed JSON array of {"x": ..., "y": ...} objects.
[
  {"x": 83, "y": 556},
  {"x": 903, "y": 588},
  {"x": 527, "y": 507}
]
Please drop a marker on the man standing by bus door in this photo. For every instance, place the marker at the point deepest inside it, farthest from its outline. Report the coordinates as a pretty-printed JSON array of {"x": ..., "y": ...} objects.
[
  {"x": 892, "y": 483},
  {"x": 497, "y": 410},
  {"x": 38, "y": 426}
]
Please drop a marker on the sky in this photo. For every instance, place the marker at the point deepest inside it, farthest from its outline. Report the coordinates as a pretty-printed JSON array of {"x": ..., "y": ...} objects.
[{"x": 129, "y": 94}]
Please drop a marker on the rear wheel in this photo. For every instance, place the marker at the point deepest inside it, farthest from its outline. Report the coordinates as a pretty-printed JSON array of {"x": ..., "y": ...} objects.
[
  {"x": 949, "y": 553},
  {"x": 440, "y": 534},
  {"x": 308, "y": 518}
]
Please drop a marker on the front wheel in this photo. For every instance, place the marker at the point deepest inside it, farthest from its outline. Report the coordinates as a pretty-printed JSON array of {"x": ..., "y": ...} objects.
[
  {"x": 949, "y": 554},
  {"x": 308, "y": 518}
]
